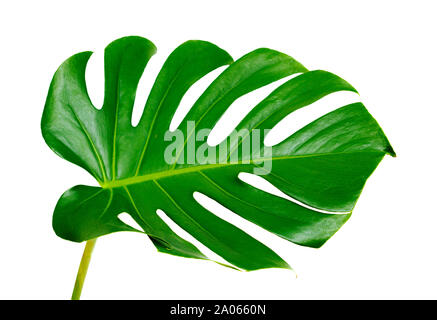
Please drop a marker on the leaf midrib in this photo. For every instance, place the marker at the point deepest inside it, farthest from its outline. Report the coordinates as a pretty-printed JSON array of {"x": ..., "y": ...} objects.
[{"x": 173, "y": 172}]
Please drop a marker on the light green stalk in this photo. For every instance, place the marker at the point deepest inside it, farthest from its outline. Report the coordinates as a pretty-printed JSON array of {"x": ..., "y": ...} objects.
[{"x": 83, "y": 268}]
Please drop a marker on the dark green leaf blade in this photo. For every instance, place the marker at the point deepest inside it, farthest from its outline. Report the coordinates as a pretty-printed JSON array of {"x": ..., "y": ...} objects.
[
  {"x": 84, "y": 213},
  {"x": 286, "y": 219},
  {"x": 323, "y": 166},
  {"x": 143, "y": 210},
  {"x": 69, "y": 121},
  {"x": 228, "y": 241},
  {"x": 186, "y": 64},
  {"x": 332, "y": 156},
  {"x": 125, "y": 60}
]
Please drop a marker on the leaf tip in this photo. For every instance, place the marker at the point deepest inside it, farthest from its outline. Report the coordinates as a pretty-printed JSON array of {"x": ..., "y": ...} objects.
[{"x": 389, "y": 150}]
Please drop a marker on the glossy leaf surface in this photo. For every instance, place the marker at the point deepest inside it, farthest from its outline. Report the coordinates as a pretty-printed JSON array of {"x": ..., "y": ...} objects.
[{"x": 324, "y": 165}]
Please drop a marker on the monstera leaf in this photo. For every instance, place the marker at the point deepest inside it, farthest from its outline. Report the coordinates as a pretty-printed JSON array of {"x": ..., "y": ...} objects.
[{"x": 324, "y": 165}]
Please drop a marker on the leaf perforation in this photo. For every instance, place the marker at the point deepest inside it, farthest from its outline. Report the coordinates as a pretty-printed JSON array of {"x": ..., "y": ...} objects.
[{"x": 191, "y": 219}]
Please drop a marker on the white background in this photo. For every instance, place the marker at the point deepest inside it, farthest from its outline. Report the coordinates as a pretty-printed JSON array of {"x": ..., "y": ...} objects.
[{"x": 386, "y": 49}]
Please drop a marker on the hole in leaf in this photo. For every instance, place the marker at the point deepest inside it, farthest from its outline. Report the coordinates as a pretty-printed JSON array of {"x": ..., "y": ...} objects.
[
  {"x": 264, "y": 185},
  {"x": 239, "y": 109},
  {"x": 304, "y": 116},
  {"x": 191, "y": 96},
  {"x": 95, "y": 78},
  {"x": 185, "y": 235},
  {"x": 262, "y": 235},
  {"x": 145, "y": 86},
  {"x": 127, "y": 219}
]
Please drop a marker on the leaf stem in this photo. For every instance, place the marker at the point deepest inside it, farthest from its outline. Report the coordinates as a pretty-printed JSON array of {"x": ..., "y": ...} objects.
[{"x": 83, "y": 268}]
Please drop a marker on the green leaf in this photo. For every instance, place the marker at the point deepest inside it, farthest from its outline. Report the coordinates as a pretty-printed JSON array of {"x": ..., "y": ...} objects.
[{"x": 323, "y": 166}]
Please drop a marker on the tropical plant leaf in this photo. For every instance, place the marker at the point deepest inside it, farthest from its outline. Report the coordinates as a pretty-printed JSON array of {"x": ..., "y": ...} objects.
[{"x": 323, "y": 166}]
